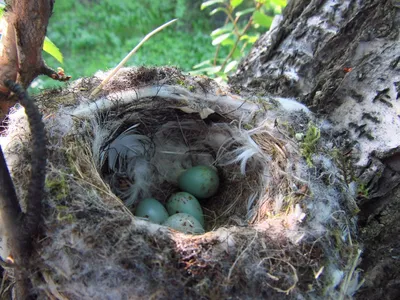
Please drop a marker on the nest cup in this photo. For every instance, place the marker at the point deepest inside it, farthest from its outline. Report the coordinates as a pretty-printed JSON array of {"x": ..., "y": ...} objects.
[
  {"x": 255, "y": 245},
  {"x": 175, "y": 141}
]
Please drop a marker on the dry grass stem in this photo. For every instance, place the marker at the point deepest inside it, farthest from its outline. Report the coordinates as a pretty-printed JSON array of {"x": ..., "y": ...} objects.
[{"x": 126, "y": 58}]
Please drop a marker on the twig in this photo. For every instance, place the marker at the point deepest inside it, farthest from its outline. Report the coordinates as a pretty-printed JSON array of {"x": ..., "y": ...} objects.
[
  {"x": 228, "y": 12},
  {"x": 236, "y": 43},
  {"x": 238, "y": 36},
  {"x": 24, "y": 228},
  {"x": 32, "y": 218},
  {"x": 219, "y": 45},
  {"x": 119, "y": 66},
  {"x": 9, "y": 205}
]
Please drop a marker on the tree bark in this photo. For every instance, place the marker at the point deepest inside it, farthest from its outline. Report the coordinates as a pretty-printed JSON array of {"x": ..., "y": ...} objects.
[
  {"x": 342, "y": 59},
  {"x": 24, "y": 29}
]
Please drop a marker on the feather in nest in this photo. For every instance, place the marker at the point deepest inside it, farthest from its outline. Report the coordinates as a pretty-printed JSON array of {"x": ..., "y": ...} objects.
[
  {"x": 138, "y": 166},
  {"x": 128, "y": 159}
]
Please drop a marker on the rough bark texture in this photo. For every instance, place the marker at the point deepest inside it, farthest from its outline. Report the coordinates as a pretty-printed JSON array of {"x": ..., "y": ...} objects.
[
  {"x": 341, "y": 58},
  {"x": 21, "y": 45}
]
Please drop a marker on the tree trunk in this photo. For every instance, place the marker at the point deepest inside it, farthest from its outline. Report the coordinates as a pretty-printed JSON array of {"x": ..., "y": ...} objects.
[
  {"x": 24, "y": 30},
  {"x": 342, "y": 59}
]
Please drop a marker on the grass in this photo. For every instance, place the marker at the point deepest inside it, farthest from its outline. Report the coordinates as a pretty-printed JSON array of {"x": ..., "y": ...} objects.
[{"x": 95, "y": 35}]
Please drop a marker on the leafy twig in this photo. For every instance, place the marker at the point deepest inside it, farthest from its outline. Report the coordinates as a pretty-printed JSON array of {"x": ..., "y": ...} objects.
[
  {"x": 219, "y": 45},
  {"x": 236, "y": 44}
]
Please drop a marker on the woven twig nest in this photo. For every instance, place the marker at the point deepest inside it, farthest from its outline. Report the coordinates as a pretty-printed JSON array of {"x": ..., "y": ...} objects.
[{"x": 278, "y": 227}]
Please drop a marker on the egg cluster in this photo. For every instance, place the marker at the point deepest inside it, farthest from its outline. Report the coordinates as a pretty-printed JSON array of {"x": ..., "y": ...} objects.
[{"x": 183, "y": 211}]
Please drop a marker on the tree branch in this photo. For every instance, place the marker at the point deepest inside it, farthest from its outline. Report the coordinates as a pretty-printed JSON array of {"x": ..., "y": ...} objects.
[
  {"x": 21, "y": 228},
  {"x": 25, "y": 25},
  {"x": 32, "y": 217}
]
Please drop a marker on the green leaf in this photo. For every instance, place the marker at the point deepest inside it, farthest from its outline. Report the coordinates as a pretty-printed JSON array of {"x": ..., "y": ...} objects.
[
  {"x": 220, "y": 39},
  {"x": 209, "y": 70},
  {"x": 221, "y": 30},
  {"x": 237, "y": 54},
  {"x": 221, "y": 77},
  {"x": 209, "y": 3},
  {"x": 1, "y": 10},
  {"x": 229, "y": 67},
  {"x": 281, "y": 3},
  {"x": 262, "y": 19},
  {"x": 245, "y": 12},
  {"x": 52, "y": 49},
  {"x": 202, "y": 64},
  {"x": 250, "y": 38},
  {"x": 228, "y": 42},
  {"x": 214, "y": 11},
  {"x": 236, "y": 3}
]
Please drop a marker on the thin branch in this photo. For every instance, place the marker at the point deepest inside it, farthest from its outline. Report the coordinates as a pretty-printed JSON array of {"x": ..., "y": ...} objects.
[
  {"x": 238, "y": 36},
  {"x": 60, "y": 75},
  {"x": 32, "y": 218},
  {"x": 236, "y": 44},
  {"x": 9, "y": 205},
  {"x": 22, "y": 228},
  {"x": 228, "y": 13},
  {"x": 219, "y": 45},
  {"x": 120, "y": 65},
  {"x": 11, "y": 216}
]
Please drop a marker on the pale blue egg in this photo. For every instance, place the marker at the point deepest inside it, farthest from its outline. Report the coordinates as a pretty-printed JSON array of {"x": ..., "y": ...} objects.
[
  {"x": 184, "y": 223},
  {"x": 153, "y": 210},
  {"x": 200, "y": 181},
  {"x": 183, "y": 202}
]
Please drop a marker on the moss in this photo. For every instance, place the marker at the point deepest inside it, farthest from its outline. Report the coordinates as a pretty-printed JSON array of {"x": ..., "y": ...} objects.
[
  {"x": 289, "y": 129},
  {"x": 248, "y": 126},
  {"x": 264, "y": 105},
  {"x": 309, "y": 145},
  {"x": 182, "y": 82},
  {"x": 57, "y": 186},
  {"x": 342, "y": 159},
  {"x": 63, "y": 215},
  {"x": 362, "y": 190}
]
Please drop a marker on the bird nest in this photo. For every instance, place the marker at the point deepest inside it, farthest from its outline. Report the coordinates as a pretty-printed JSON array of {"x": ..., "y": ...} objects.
[{"x": 277, "y": 226}]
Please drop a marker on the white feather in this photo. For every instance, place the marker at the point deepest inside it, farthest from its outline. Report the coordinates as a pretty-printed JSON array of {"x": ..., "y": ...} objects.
[
  {"x": 128, "y": 158},
  {"x": 240, "y": 155},
  {"x": 141, "y": 176},
  {"x": 176, "y": 150},
  {"x": 126, "y": 148}
]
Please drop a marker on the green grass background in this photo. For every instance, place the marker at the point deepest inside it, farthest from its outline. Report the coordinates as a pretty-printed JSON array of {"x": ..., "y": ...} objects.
[{"x": 96, "y": 35}]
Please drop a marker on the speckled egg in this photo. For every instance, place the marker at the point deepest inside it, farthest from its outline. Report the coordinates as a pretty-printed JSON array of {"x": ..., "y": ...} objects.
[
  {"x": 200, "y": 181},
  {"x": 183, "y": 202},
  {"x": 184, "y": 223},
  {"x": 153, "y": 210}
]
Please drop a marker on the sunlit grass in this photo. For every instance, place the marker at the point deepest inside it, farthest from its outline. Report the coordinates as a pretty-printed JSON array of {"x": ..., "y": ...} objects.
[{"x": 96, "y": 35}]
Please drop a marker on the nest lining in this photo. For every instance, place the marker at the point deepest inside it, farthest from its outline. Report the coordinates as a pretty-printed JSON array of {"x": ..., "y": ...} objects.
[
  {"x": 95, "y": 248},
  {"x": 185, "y": 143}
]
